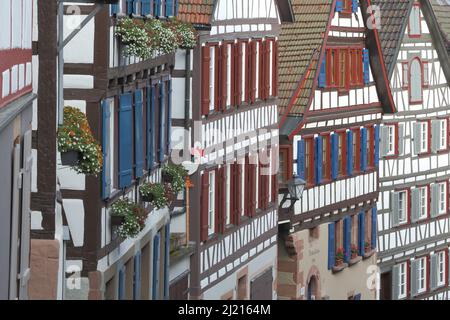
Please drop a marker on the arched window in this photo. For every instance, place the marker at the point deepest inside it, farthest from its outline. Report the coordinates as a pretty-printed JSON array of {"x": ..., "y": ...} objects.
[{"x": 415, "y": 80}]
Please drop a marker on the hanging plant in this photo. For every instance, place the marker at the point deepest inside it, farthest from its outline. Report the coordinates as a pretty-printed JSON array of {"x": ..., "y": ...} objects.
[
  {"x": 184, "y": 32},
  {"x": 161, "y": 37},
  {"x": 132, "y": 217},
  {"x": 133, "y": 34},
  {"x": 75, "y": 137},
  {"x": 174, "y": 175},
  {"x": 154, "y": 193}
]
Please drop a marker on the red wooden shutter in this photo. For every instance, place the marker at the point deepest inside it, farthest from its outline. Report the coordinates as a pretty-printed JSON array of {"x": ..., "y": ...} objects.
[
  {"x": 252, "y": 71},
  {"x": 217, "y": 71},
  {"x": 274, "y": 188},
  {"x": 247, "y": 190},
  {"x": 238, "y": 192},
  {"x": 204, "y": 207},
  {"x": 206, "y": 60},
  {"x": 262, "y": 70},
  {"x": 220, "y": 203},
  {"x": 223, "y": 192},
  {"x": 252, "y": 189},
  {"x": 248, "y": 71},
  {"x": 223, "y": 77},
  {"x": 275, "y": 69},
  {"x": 261, "y": 186},
  {"x": 238, "y": 74},
  {"x": 233, "y": 194},
  {"x": 233, "y": 71}
]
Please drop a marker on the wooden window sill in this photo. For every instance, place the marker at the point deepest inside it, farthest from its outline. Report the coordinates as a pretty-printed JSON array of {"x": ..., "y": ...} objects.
[
  {"x": 355, "y": 260},
  {"x": 339, "y": 268},
  {"x": 369, "y": 254}
]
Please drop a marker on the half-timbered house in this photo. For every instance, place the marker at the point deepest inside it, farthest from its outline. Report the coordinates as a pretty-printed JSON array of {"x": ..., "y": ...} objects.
[
  {"x": 16, "y": 100},
  {"x": 333, "y": 90},
  {"x": 127, "y": 101},
  {"x": 231, "y": 100},
  {"x": 413, "y": 211}
]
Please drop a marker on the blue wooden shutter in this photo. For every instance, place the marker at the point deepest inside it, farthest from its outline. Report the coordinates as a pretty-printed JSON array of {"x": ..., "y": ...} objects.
[
  {"x": 150, "y": 127},
  {"x": 106, "y": 129},
  {"x": 301, "y": 159},
  {"x": 157, "y": 10},
  {"x": 349, "y": 153},
  {"x": 167, "y": 262},
  {"x": 169, "y": 8},
  {"x": 355, "y": 5},
  {"x": 357, "y": 296},
  {"x": 138, "y": 134},
  {"x": 162, "y": 119},
  {"x": 318, "y": 159},
  {"x": 121, "y": 294},
  {"x": 176, "y": 8},
  {"x": 366, "y": 66},
  {"x": 156, "y": 263},
  {"x": 347, "y": 238},
  {"x": 323, "y": 74},
  {"x": 169, "y": 115},
  {"x": 130, "y": 6},
  {"x": 339, "y": 5},
  {"x": 377, "y": 146},
  {"x": 334, "y": 156},
  {"x": 125, "y": 140},
  {"x": 374, "y": 228},
  {"x": 363, "y": 149},
  {"x": 331, "y": 246},
  {"x": 114, "y": 9},
  {"x": 146, "y": 9},
  {"x": 361, "y": 233},
  {"x": 137, "y": 277}
]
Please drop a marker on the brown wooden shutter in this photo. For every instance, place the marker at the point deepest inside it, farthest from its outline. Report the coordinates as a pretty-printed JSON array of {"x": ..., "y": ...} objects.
[
  {"x": 274, "y": 188},
  {"x": 206, "y": 60},
  {"x": 220, "y": 203},
  {"x": 238, "y": 74},
  {"x": 248, "y": 71},
  {"x": 275, "y": 69},
  {"x": 204, "y": 207},
  {"x": 223, "y": 77},
  {"x": 252, "y": 189},
  {"x": 234, "y": 70},
  {"x": 262, "y": 70},
  {"x": 232, "y": 191},
  {"x": 223, "y": 193},
  {"x": 217, "y": 71},
  {"x": 238, "y": 191},
  {"x": 252, "y": 71},
  {"x": 247, "y": 187},
  {"x": 267, "y": 66},
  {"x": 261, "y": 186}
]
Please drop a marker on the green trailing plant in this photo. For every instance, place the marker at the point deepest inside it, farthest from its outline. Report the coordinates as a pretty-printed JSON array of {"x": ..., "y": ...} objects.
[
  {"x": 75, "y": 135},
  {"x": 157, "y": 191},
  {"x": 177, "y": 175},
  {"x": 134, "y": 217}
]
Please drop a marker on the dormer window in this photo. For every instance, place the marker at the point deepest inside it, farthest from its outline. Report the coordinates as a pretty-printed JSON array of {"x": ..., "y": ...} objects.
[{"x": 414, "y": 26}]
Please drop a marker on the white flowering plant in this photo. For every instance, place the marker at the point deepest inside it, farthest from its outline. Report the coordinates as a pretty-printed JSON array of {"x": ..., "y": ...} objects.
[
  {"x": 157, "y": 193},
  {"x": 184, "y": 32},
  {"x": 75, "y": 135},
  {"x": 176, "y": 174},
  {"x": 162, "y": 38},
  {"x": 134, "y": 217},
  {"x": 135, "y": 37}
]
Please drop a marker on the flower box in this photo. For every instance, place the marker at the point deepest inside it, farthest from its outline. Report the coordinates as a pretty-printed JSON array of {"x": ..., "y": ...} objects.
[
  {"x": 166, "y": 177},
  {"x": 117, "y": 220},
  {"x": 148, "y": 197},
  {"x": 70, "y": 158}
]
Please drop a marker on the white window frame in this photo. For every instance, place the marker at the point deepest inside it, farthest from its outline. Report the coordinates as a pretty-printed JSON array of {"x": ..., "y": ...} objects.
[
  {"x": 228, "y": 74},
  {"x": 442, "y": 205},
  {"x": 422, "y": 274},
  {"x": 212, "y": 78},
  {"x": 392, "y": 143},
  {"x": 443, "y": 134},
  {"x": 211, "y": 203},
  {"x": 441, "y": 268},
  {"x": 402, "y": 281},
  {"x": 6, "y": 80},
  {"x": 403, "y": 206},
  {"x": 424, "y": 147},
  {"x": 423, "y": 203},
  {"x": 411, "y": 28}
]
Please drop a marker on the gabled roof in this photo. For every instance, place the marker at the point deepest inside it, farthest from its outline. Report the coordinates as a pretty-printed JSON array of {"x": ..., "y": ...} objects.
[
  {"x": 196, "y": 11},
  {"x": 441, "y": 9},
  {"x": 394, "y": 21},
  {"x": 300, "y": 45}
]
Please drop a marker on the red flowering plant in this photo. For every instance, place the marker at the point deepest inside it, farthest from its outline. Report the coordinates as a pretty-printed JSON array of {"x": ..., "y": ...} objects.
[
  {"x": 340, "y": 253},
  {"x": 75, "y": 135},
  {"x": 354, "y": 251},
  {"x": 367, "y": 247}
]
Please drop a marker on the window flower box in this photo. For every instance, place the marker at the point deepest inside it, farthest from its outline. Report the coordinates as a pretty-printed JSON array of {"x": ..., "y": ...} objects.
[
  {"x": 129, "y": 216},
  {"x": 155, "y": 194},
  {"x": 70, "y": 158},
  {"x": 175, "y": 176}
]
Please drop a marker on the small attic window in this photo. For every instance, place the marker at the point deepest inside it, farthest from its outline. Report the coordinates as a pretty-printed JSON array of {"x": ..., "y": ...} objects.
[{"x": 414, "y": 26}]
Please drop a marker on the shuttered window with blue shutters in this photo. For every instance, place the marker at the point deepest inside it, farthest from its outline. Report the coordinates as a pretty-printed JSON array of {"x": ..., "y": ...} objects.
[
  {"x": 156, "y": 264},
  {"x": 138, "y": 134},
  {"x": 377, "y": 146},
  {"x": 169, "y": 8},
  {"x": 162, "y": 123},
  {"x": 339, "y": 5},
  {"x": 355, "y": 5},
  {"x": 301, "y": 159},
  {"x": 121, "y": 285},
  {"x": 146, "y": 7},
  {"x": 331, "y": 246},
  {"x": 361, "y": 233},
  {"x": 374, "y": 228},
  {"x": 137, "y": 277},
  {"x": 130, "y": 6},
  {"x": 166, "y": 261},
  {"x": 318, "y": 159},
  {"x": 157, "y": 8},
  {"x": 347, "y": 238},
  {"x": 366, "y": 65},
  {"x": 150, "y": 127},
  {"x": 349, "y": 153},
  {"x": 169, "y": 116},
  {"x": 323, "y": 73},
  {"x": 114, "y": 9},
  {"x": 106, "y": 143},
  {"x": 334, "y": 156},
  {"x": 125, "y": 140},
  {"x": 363, "y": 149}
]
